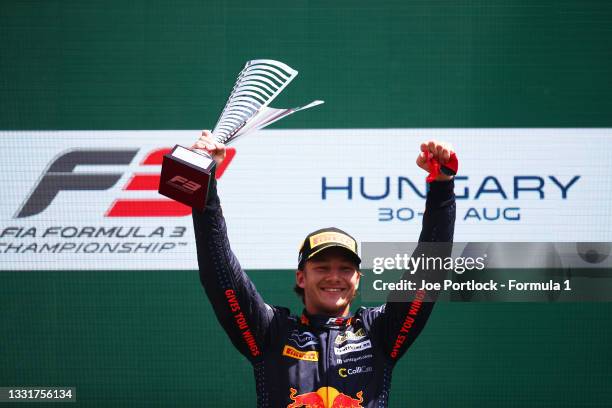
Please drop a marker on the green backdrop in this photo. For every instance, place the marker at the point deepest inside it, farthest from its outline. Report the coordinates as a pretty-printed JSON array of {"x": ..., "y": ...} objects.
[{"x": 149, "y": 338}]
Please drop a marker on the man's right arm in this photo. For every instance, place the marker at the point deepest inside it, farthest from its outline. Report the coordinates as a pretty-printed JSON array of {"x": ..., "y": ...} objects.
[{"x": 235, "y": 300}]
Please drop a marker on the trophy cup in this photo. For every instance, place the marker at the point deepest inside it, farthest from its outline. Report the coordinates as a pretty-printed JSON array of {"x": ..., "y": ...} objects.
[{"x": 185, "y": 173}]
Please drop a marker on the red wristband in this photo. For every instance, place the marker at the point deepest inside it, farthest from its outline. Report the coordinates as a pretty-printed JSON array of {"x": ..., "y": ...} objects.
[{"x": 449, "y": 168}]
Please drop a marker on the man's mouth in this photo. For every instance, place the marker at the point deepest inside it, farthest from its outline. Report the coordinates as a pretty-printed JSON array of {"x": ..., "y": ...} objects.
[{"x": 332, "y": 290}]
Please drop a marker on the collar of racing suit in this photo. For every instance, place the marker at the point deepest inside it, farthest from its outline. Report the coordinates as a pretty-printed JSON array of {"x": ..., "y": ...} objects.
[{"x": 322, "y": 321}]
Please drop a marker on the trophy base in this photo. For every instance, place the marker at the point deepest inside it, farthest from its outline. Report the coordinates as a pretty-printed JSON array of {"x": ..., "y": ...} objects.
[{"x": 185, "y": 176}]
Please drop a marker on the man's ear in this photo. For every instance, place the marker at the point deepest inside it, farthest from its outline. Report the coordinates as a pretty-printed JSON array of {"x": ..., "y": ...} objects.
[
  {"x": 300, "y": 279},
  {"x": 359, "y": 275}
]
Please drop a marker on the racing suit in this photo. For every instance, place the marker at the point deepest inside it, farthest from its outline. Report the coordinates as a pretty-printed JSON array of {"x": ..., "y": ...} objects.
[{"x": 312, "y": 360}]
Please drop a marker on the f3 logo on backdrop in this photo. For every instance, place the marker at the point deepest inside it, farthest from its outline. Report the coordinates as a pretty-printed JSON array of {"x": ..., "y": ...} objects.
[{"x": 60, "y": 176}]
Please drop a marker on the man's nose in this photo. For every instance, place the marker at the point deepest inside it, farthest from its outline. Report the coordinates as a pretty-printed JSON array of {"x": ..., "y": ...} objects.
[{"x": 334, "y": 274}]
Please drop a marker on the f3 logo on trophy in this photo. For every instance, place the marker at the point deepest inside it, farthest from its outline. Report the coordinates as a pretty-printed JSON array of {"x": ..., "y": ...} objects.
[{"x": 188, "y": 186}]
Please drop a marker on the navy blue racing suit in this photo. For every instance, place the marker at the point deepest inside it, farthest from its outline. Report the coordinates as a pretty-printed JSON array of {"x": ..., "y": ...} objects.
[{"x": 311, "y": 360}]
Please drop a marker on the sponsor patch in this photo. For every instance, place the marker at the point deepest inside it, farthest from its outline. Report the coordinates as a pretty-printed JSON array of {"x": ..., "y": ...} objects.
[
  {"x": 352, "y": 359},
  {"x": 345, "y": 372},
  {"x": 300, "y": 355},
  {"x": 324, "y": 397},
  {"x": 325, "y": 237},
  {"x": 351, "y": 347},
  {"x": 304, "y": 339},
  {"x": 349, "y": 335}
]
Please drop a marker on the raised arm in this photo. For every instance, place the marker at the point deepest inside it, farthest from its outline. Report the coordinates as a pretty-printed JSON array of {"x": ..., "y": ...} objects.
[
  {"x": 398, "y": 323},
  {"x": 238, "y": 306}
]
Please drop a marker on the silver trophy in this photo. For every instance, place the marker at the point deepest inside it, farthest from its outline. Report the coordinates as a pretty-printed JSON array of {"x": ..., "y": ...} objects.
[{"x": 186, "y": 173}]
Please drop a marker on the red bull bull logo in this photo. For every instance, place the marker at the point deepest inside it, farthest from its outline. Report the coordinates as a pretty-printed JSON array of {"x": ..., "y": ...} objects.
[{"x": 324, "y": 397}]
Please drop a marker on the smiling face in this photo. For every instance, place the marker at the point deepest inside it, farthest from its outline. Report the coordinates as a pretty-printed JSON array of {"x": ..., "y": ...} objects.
[{"x": 330, "y": 281}]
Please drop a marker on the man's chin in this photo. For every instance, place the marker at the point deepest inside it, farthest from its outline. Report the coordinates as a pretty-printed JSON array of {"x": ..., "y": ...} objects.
[{"x": 334, "y": 309}]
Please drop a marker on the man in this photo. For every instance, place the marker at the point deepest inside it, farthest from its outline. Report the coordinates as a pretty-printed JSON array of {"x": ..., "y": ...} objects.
[{"x": 326, "y": 357}]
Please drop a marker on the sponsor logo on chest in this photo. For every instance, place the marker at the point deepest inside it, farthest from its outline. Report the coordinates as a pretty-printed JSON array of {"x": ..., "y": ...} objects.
[
  {"x": 303, "y": 339},
  {"x": 291, "y": 352},
  {"x": 349, "y": 335},
  {"x": 352, "y": 347},
  {"x": 345, "y": 372}
]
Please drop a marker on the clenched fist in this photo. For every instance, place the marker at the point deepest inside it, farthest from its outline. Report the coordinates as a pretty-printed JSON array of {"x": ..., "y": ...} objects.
[{"x": 439, "y": 151}]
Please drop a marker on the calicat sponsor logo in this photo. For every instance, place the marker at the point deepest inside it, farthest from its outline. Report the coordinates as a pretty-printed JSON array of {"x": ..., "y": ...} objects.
[
  {"x": 324, "y": 397},
  {"x": 345, "y": 372}
]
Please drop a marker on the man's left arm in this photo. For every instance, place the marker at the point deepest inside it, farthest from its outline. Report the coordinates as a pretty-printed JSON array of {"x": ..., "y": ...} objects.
[{"x": 397, "y": 324}]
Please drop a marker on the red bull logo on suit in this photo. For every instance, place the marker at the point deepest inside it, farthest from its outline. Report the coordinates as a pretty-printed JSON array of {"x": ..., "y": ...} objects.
[{"x": 324, "y": 397}]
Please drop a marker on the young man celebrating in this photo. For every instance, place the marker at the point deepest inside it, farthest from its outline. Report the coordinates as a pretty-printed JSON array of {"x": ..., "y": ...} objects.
[{"x": 326, "y": 357}]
